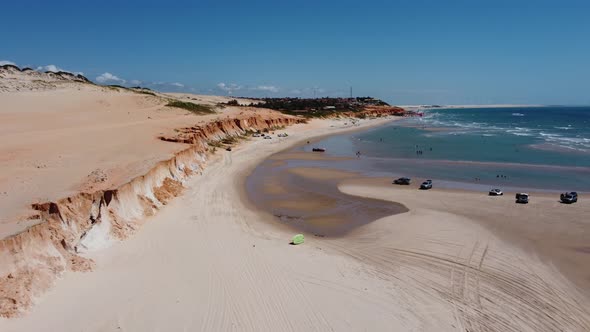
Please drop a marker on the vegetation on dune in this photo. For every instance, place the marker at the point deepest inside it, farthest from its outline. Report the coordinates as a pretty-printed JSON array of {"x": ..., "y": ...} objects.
[
  {"x": 145, "y": 92},
  {"x": 314, "y": 113},
  {"x": 191, "y": 107},
  {"x": 116, "y": 87},
  {"x": 215, "y": 144},
  {"x": 229, "y": 140},
  {"x": 319, "y": 107}
]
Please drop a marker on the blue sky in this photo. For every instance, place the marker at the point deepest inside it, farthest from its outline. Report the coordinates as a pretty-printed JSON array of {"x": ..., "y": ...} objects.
[{"x": 405, "y": 52}]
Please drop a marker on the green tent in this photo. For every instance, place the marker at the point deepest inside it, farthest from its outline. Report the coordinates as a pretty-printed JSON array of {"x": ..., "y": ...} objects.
[{"x": 298, "y": 239}]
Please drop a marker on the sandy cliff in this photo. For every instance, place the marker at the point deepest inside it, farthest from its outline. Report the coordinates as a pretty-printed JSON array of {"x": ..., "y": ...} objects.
[{"x": 120, "y": 140}]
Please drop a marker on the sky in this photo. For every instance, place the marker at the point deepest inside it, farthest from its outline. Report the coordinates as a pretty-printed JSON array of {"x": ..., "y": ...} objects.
[{"x": 404, "y": 52}]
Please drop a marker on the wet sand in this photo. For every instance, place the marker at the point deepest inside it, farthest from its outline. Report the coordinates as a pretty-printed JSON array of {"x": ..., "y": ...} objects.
[{"x": 308, "y": 199}]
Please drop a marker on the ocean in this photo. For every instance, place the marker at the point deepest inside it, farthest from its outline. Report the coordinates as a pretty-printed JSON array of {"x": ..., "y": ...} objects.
[{"x": 520, "y": 148}]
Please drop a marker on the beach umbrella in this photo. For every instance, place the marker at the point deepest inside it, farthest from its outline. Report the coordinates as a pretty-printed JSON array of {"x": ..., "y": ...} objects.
[{"x": 298, "y": 239}]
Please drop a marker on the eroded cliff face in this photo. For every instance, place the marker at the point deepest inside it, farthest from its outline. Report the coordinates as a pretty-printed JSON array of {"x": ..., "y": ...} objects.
[
  {"x": 378, "y": 111},
  {"x": 31, "y": 260},
  {"x": 230, "y": 127}
]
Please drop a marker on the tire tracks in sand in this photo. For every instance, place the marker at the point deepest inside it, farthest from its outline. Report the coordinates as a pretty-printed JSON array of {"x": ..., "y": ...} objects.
[{"x": 489, "y": 289}]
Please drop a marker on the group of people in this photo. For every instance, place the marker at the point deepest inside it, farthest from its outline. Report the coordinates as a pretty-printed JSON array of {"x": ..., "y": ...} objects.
[
  {"x": 420, "y": 152},
  {"x": 499, "y": 176}
]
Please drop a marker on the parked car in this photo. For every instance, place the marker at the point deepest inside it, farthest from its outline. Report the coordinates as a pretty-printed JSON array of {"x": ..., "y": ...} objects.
[
  {"x": 569, "y": 197},
  {"x": 522, "y": 198},
  {"x": 404, "y": 181},
  {"x": 228, "y": 148},
  {"x": 496, "y": 192},
  {"x": 267, "y": 137},
  {"x": 318, "y": 150},
  {"x": 426, "y": 185}
]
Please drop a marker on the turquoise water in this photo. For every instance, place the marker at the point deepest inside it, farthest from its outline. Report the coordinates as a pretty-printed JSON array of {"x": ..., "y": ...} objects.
[{"x": 537, "y": 147}]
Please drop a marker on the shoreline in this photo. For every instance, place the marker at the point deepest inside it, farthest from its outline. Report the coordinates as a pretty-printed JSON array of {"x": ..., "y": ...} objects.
[
  {"x": 428, "y": 107},
  {"x": 471, "y": 169},
  {"x": 560, "y": 249},
  {"x": 525, "y": 235},
  {"x": 543, "y": 209},
  {"x": 247, "y": 172}
]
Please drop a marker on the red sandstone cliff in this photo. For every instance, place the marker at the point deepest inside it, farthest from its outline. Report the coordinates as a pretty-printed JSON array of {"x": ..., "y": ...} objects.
[{"x": 31, "y": 260}]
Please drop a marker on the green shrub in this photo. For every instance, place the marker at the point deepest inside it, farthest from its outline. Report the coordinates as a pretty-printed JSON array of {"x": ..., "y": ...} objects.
[
  {"x": 229, "y": 140},
  {"x": 145, "y": 92},
  {"x": 191, "y": 107}
]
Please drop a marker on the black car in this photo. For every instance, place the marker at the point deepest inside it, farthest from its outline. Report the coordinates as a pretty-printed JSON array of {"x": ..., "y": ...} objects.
[
  {"x": 522, "y": 198},
  {"x": 426, "y": 185},
  {"x": 404, "y": 181},
  {"x": 569, "y": 197}
]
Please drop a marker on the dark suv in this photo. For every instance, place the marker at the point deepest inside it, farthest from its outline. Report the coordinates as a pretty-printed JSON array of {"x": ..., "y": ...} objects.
[
  {"x": 405, "y": 181},
  {"x": 569, "y": 198},
  {"x": 522, "y": 198}
]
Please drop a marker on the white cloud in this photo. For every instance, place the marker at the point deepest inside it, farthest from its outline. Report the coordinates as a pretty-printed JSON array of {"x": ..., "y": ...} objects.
[
  {"x": 309, "y": 92},
  {"x": 232, "y": 87},
  {"x": 229, "y": 88},
  {"x": 268, "y": 88},
  {"x": 176, "y": 84},
  {"x": 52, "y": 68},
  {"x": 108, "y": 77},
  {"x": 6, "y": 62},
  {"x": 135, "y": 82},
  {"x": 55, "y": 69}
]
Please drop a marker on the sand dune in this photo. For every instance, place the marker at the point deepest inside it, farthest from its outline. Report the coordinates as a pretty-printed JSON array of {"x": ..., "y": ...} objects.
[
  {"x": 83, "y": 165},
  {"x": 81, "y": 137}
]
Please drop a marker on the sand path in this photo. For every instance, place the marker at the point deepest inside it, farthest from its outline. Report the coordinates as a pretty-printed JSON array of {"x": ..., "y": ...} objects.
[{"x": 441, "y": 249}]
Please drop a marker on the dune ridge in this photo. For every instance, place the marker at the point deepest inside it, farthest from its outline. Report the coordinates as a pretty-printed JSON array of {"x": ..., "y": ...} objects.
[{"x": 28, "y": 79}]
